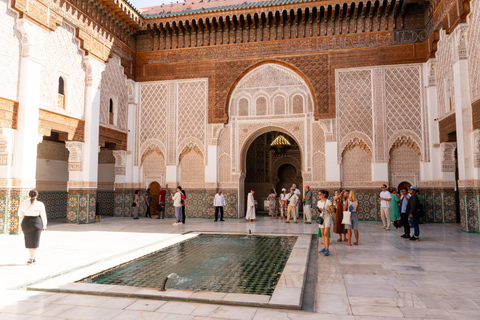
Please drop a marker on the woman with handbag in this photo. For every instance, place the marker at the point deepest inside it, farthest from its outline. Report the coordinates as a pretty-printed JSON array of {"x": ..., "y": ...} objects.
[
  {"x": 339, "y": 228},
  {"x": 325, "y": 209},
  {"x": 352, "y": 205},
  {"x": 34, "y": 222}
]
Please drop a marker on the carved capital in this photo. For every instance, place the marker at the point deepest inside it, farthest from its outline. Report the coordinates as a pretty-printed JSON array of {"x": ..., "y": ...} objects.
[
  {"x": 120, "y": 161},
  {"x": 448, "y": 156},
  {"x": 461, "y": 35},
  {"x": 75, "y": 157},
  {"x": 432, "y": 71}
]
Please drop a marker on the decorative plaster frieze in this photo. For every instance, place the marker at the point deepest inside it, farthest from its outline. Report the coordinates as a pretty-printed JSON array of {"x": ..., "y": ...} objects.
[
  {"x": 75, "y": 158},
  {"x": 461, "y": 36},
  {"x": 448, "y": 156}
]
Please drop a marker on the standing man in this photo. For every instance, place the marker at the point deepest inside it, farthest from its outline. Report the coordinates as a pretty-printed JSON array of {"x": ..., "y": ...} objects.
[
  {"x": 298, "y": 193},
  {"x": 307, "y": 205},
  {"x": 414, "y": 210},
  {"x": 385, "y": 198},
  {"x": 250, "y": 216},
  {"x": 177, "y": 203},
  {"x": 184, "y": 195},
  {"x": 148, "y": 202},
  {"x": 161, "y": 202},
  {"x": 404, "y": 197},
  {"x": 219, "y": 203},
  {"x": 292, "y": 205}
]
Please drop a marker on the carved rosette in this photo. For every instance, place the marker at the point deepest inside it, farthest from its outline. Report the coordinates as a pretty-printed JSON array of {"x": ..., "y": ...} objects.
[
  {"x": 75, "y": 157},
  {"x": 120, "y": 161}
]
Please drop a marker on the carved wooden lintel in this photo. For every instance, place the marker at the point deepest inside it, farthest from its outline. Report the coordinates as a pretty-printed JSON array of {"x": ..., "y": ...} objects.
[
  {"x": 71, "y": 129},
  {"x": 113, "y": 138}
]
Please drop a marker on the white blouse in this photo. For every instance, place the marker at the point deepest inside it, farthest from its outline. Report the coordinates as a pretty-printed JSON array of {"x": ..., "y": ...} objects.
[{"x": 33, "y": 210}]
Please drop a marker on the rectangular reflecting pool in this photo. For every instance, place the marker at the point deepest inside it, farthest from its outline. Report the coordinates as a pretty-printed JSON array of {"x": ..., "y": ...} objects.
[{"x": 217, "y": 263}]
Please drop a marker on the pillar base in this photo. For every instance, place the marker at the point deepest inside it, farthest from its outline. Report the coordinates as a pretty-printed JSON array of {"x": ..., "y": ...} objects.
[{"x": 81, "y": 205}]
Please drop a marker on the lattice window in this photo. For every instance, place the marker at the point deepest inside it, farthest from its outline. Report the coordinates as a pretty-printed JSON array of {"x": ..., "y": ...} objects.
[
  {"x": 356, "y": 166},
  {"x": 114, "y": 88},
  {"x": 474, "y": 49},
  {"x": 403, "y": 99},
  {"x": 297, "y": 102},
  {"x": 261, "y": 106},
  {"x": 192, "y": 167},
  {"x": 192, "y": 107},
  {"x": 243, "y": 107},
  {"x": 279, "y": 105},
  {"x": 153, "y": 112},
  {"x": 355, "y": 102}
]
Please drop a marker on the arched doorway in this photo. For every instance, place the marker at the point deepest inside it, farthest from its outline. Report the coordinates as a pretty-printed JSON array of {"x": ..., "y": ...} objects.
[
  {"x": 404, "y": 184},
  {"x": 155, "y": 192},
  {"x": 272, "y": 160}
]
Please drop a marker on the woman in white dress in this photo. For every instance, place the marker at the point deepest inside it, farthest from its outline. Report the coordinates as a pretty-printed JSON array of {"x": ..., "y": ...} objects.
[
  {"x": 250, "y": 216},
  {"x": 33, "y": 223},
  {"x": 325, "y": 209}
]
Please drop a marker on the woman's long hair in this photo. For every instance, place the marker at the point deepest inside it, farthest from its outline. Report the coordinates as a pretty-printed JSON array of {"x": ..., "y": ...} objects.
[{"x": 352, "y": 196}]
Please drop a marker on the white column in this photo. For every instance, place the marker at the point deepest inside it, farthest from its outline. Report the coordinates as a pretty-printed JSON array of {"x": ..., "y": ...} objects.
[
  {"x": 332, "y": 167},
  {"x": 211, "y": 169},
  {"x": 380, "y": 171},
  {"x": 172, "y": 175},
  {"x": 463, "y": 110},
  {"x": 26, "y": 136},
  {"x": 131, "y": 172}
]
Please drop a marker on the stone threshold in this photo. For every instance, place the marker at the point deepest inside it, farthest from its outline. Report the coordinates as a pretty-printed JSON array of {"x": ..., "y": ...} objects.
[{"x": 288, "y": 293}]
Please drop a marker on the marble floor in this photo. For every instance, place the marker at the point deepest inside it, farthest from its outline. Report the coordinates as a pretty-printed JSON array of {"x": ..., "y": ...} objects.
[{"x": 385, "y": 277}]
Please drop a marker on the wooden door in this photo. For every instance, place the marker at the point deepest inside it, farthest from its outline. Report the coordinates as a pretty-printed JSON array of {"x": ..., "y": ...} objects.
[{"x": 155, "y": 192}]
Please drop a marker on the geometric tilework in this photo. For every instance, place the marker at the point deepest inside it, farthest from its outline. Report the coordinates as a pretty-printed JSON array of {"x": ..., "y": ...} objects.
[
  {"x": 233, "y": 264},
  {"x": 55, "y": 204},
  {"x": 105, "y": 202}
]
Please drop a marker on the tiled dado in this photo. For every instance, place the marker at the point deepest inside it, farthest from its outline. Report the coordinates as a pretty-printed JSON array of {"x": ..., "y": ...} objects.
[
  {"x": 55, "y": 203},
  {"x": 81, "y": 205},
  {"x": 469, "y": 209},
  {"x": 123, "y": 199},
  {"x": 439, "y": 205},
  {"x": 10, "y": 200},
  {"x": 199, "y": 203}
]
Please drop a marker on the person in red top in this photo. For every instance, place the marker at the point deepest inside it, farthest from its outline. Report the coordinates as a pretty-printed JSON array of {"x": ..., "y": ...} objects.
[{"x": 161, "y": 202}]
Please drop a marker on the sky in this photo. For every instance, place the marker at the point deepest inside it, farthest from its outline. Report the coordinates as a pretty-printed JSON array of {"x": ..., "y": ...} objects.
[{"x": 149, "y": 3}]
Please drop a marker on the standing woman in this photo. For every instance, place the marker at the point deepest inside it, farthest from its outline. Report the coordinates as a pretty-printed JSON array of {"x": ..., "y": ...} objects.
[
  {"x": 34, "y": 222},
  {"x": 136, "y": 207},
  {"x": 283, "y": 203},
  {"x": 339, "y": 227},
  {"x": 351, "y": 204},
  {"x": 394, "y": 205},
  {"x": 325, "y": 208},
  {"x": 272, "y": 206}
]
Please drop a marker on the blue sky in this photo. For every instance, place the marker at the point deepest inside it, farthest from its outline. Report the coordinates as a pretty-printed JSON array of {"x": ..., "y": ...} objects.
[{"x": 149, "y": 3}]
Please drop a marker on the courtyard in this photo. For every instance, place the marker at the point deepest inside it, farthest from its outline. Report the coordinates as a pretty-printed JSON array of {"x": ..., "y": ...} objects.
[{"x": 385, "y": 277}]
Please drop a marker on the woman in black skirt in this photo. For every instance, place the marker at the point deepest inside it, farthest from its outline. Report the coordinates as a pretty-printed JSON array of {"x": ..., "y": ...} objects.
[{"x": 34, "y": 222}]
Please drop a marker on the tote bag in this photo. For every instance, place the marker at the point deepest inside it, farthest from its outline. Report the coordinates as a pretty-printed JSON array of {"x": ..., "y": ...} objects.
[{"x": 347, "y": 217}]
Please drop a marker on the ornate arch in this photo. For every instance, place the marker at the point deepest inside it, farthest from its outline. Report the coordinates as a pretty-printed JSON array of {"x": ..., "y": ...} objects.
[
  {"x": 357, "y": 142},
  {"x": 354, "y": 139},
  {"x": 149, "y": 145},
  {"x": 405, "y": 137},
  {"x": 245, "y": 145},
  {"x": 405, "y": 141},
  {"x": 187, "y": 147}
]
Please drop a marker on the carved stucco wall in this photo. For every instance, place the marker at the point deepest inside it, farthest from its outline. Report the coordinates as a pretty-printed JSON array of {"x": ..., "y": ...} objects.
[
  {"x": 9, "y": 52},
  {"x": 153, "y": 166},
  {"x": 444, "y": 73},
  {"x": 172, "y": 117},
  {"x": 404, "y": 165},
  {"x": 113, "y": 86},
  {"x": 356, "y": 167},
  {"x": 62, "y": 57},
  {"x": 474, "y": 49},
  {"x": 375, "y": 107},
  {"x": 192, "y": 168}
]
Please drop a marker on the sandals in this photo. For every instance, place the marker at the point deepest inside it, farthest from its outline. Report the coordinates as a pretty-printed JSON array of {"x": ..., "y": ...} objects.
[{"x": 339, "y": 240}]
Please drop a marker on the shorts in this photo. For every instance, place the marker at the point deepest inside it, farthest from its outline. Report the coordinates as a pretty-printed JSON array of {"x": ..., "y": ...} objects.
[
  {"x": 354, "y": 220},
  {"x": 327, "y": 221}
]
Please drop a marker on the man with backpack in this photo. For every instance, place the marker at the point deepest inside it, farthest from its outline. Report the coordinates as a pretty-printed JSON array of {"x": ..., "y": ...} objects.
[{"x": 415, "y": 211}]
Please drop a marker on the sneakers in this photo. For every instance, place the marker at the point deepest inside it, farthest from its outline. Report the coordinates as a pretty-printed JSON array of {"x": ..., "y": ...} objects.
[
  {"x": 405, "y": 236},
  {"x": 413, "y": 238},
  {"x": 176, "y": 224},
  {"x": 327, "y": 253},
  {"x": 31, "y": 262},
  {"x": 322, "y": 251}
]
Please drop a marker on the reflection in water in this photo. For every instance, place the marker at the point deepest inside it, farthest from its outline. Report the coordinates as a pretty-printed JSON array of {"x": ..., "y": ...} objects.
[{"x": 238, "y": 264}]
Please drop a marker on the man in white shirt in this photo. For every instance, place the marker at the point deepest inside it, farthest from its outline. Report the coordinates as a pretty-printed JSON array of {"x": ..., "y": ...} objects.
[
  {"x": 292, "y": 205},
  {"x": 385, "y": 198},
  {"x": 219, "y": 203}
]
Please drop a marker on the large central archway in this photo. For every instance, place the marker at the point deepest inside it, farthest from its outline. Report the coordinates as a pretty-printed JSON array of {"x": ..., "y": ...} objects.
[{"x": 270, "y": 166}]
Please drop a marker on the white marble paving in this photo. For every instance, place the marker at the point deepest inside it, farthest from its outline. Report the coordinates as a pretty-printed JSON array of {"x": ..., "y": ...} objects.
[{"x": 385, "y": 277}]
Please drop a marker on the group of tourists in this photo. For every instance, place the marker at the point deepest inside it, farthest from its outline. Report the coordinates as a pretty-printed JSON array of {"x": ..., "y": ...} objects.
[{"x": 178, "y": 203}]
